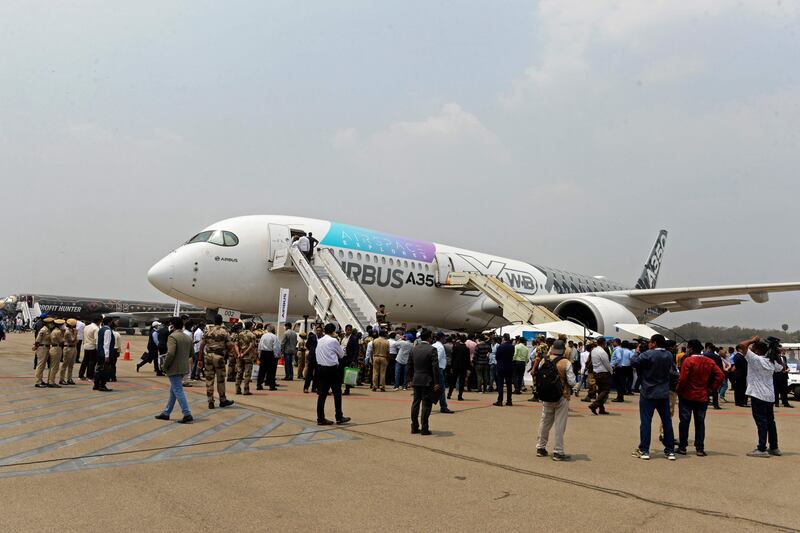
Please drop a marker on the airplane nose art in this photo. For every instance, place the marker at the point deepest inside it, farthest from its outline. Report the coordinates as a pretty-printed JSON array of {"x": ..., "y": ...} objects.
[{"x": 160, "y": 275}]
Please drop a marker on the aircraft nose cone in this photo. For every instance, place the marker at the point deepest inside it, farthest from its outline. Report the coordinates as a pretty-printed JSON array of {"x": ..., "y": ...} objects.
[{"x": 160, "y": 275}]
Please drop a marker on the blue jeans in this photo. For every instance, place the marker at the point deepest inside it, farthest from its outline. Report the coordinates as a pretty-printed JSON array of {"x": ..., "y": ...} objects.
[
  {"x": 400, "y": 374},
  {"x": 443, "y": 395},
  {"x": 492, "y": 376},
  {"x": 288, "y": 369},
  {"x": 724, "y": 387},
  {"x": 646, "y": 409},
  {"x": 176, "y": 393}
]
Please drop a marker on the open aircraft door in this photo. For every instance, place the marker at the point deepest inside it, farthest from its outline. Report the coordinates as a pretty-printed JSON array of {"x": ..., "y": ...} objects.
[
  {"x": 444, "y": 266},
  {"x": 279, "y": 241}
]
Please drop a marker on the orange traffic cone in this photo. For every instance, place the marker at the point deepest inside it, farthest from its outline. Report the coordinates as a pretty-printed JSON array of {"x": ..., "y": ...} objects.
[{"x": 127, "y": 355}]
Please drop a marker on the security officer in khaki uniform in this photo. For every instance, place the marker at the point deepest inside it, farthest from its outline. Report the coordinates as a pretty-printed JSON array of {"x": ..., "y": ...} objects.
[
  {"x": 56, "y": 351},
  {"x": 213, "y": 348},
  {"x": 42, "y": 347},
  {"x": 247, "y": 343},
  {"x": 70, "y": 352}
]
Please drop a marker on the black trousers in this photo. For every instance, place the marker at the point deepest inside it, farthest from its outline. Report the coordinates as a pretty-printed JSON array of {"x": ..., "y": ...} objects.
[
  {"x": 764, "y": 417},
  {"x": 329, "y": 381},
  {"x": 504, "y": 375},
  {"x": 88, "y": 364},
  {"x": 423, "y": 397},
  {"x": 267, "y": 367},
  {"x": 619, "y": 382},
  {"x": 687, "y": 409},
  {"x": 781, "y": 384},
  {"x": 111, "y": 367},
  {"x": 519, "y": 375},
  {"x": 457, "y": 376},
  {"x": 311, "y": 375},
  {"x": 739, "y": 390},
  {"x": 628, "y": 371},
  {"x": 78, "y": 351},
  {"x": 100, "y": 377}
]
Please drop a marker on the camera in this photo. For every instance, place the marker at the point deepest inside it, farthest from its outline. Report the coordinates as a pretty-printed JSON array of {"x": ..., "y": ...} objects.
[{"x": 773, "y": 344}]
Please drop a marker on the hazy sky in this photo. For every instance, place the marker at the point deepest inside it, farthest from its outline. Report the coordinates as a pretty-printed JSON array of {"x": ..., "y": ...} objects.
[{"x": 563, "y": 133}]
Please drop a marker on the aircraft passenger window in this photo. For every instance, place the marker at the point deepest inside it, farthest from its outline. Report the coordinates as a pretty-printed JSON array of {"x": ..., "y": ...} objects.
[
  {"x": 375, "y": 259},
  {"x": 200, "y": 237},
  {"x": 358, "y": 256},
  {"x": 405, "y": 264},
  {"x": 341, "y": 254},
  {"x": 349, "y": 255},
  {"x": 383, "y": 260}
]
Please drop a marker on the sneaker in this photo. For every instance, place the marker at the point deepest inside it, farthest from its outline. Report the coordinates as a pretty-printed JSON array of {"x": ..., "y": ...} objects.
[
  {"x": 639, "y": 454},
  {"x": 396, "y": 388},
  {"x": 560, "y": 457},
  {"x": 775, "y": 451},
  {"x": 670, "y": 456},
  {"x": 758, "y": 453},
  {"x": 541, "y": 452}
]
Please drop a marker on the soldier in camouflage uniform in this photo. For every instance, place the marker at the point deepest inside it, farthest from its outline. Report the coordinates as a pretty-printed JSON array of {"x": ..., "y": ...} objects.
[
  {"x": 236, "y": 330},
  {"x": 213, "y": 348},
  {"x": 247, "y": 344},
  {"x": 542, "y": 350},
  {"x": 70, "y": 352},
  {"x": 42, "y": 347}
]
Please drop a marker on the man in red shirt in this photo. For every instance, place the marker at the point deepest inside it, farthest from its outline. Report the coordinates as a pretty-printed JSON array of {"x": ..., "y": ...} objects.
[{"x": 699, "y": 374}]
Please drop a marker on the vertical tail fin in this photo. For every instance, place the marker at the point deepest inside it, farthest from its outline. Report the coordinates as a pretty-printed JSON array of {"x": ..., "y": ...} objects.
[{"x": 652, "y": 267}]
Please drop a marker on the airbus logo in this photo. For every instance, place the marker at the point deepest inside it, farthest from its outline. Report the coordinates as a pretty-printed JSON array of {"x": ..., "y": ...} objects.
[{"x": 226, "y": 259}]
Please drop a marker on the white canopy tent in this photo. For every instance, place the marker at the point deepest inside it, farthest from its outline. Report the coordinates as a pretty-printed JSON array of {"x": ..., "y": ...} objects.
[
  {"x": 637, "y": 330},
  {"x": 562, "y": 327}
]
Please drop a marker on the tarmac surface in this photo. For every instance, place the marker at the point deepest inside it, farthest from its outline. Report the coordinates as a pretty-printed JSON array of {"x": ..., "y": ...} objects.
[{"x": 72, "y": 459}]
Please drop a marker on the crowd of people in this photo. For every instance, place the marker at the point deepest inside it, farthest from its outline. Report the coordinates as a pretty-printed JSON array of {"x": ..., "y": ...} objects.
[{"x": 330, "y": 361}]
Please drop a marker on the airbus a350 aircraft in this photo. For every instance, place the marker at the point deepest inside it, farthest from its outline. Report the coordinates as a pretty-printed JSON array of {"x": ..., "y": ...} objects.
[{"x": 228, "y": 265}]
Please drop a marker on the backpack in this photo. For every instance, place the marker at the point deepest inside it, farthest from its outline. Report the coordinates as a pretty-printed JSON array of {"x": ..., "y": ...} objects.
[{"x": 549, "y": 386}]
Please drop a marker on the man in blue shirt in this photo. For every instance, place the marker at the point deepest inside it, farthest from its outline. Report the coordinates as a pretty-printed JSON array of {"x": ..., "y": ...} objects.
[
  {"x": 619, "y": 373},
  {"x": 657, "y": 367}
]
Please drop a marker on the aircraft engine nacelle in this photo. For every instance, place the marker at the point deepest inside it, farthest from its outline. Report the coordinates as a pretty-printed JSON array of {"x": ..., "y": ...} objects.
[{"x": 598, "y": 314}]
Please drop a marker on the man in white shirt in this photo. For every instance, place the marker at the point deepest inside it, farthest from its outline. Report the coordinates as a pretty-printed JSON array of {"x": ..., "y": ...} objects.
[
  {"x": 268, "y": 348},
  {"x": 304, "y": 245},
  {"x": 761, "y": 390},
  {"x": 442, "y": 356},
  {"x": 601, "y": 366},
  {"x": 329, "y": 353},
  {"x": 79, "y": 330},
  {"x": 197, "y": 338},
  {"x": 86, "y": 371}
]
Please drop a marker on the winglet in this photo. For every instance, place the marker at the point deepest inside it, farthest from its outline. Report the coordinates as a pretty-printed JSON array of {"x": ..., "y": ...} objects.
[{"x": 652, "y": 267}]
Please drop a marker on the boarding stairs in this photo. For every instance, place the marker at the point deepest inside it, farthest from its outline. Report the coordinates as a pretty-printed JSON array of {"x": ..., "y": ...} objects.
[
  {"x": 28, "y": 314},
  {"x": 516, "y": 309},
  {"x": 333, "y": 295}
]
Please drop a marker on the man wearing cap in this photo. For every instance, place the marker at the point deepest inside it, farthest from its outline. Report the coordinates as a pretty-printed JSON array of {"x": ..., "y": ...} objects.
[
  {"x": 244, "y": 361},
  {"x": 42, "y": 347},
  {"x": 56, "y": 351},
  {"x": 556, "y": 413},
  {"x": 216, "y": 341},
  {"x": 70, "y": 352}
]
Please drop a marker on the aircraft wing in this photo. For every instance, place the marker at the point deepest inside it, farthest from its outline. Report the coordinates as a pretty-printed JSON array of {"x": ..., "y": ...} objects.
[{"x": 683, "y": 298}]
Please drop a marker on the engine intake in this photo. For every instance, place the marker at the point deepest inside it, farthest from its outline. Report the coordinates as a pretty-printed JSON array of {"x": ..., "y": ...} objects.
[{"x": 598, "y": 314}]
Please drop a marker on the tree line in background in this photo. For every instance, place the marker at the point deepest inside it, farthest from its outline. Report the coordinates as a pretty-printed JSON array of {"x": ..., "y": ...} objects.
[{"x": 726, "y": 335}]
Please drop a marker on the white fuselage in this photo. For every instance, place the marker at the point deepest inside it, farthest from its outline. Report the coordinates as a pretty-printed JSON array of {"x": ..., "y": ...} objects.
[{"x": 397, "y": 272}]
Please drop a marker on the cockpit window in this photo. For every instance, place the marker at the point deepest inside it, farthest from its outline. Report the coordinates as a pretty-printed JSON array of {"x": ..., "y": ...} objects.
[{"x": 218, "y": 237}]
